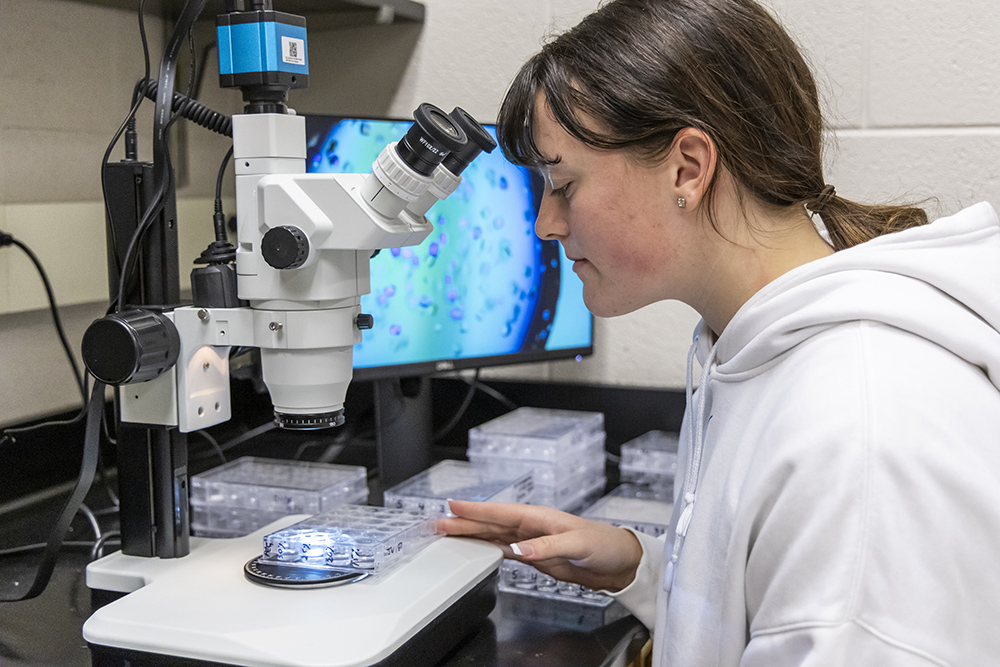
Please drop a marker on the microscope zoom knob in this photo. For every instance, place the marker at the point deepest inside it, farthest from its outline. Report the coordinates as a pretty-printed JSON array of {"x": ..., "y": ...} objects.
[
  {"x": 285, "y": 247},
  {"x": 131, "y": 346}
]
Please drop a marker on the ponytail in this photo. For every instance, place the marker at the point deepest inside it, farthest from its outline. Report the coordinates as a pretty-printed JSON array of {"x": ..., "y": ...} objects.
[{"x": 849, "y": 223}]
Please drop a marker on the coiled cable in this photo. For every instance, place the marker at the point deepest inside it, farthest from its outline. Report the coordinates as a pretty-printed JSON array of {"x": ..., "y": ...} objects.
[{"x": 191, "y": 109}]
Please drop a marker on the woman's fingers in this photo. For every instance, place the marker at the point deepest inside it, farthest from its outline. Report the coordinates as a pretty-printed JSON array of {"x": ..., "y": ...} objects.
[
  {"x": 595, "y": 555},
  {"x": 575, "y": 545},
  {"x": 568, "y": 547},
  {"x": 471, "y": 528},
  {"x": 503, "y": 514},
  {"x": 511, "y": 519}
]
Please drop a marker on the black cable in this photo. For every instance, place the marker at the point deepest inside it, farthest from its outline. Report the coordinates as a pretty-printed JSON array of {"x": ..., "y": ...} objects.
[
  {"x": 165, "y": 90},
  {"x": 240, "y": 439},
  {"x": 150, "y": 217},
  {"x": 213, "y": 442},
  {"x": 222, "y": 175},
  {"x": 96, "y": 527},
  {"x": 107, "y": 434},
  {"x": 130, "y": 253},
  {"x": 105, "y": 482},
  {"x": 219, "y": 219},
  {"x": 97, "y": 551},
  {"x": 201, "y": 69},
  {"x": 490, "y": 391},
  {"x": 474, "y": 386},
  {"x": 193, "y": 65},
  {"x": 88, "y": 466},
  {"x": 8, "y": 239},
  {"x": 252, "y": 433},
  {"x": 457, "y": 417},
  {"x": 95, "y": 547},
  {"x": 129, "y": 119},
  {"x": 163, "y": 118},
  {"x": 9, "y": 433},
  {"x": 191, "y": 109},
  {"x": 40, "y": 546}
]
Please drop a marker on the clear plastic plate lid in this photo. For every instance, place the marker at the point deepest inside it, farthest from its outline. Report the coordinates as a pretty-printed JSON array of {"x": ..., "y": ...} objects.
[
  {"x": 537, "y": 433},
  {"x": 356, "y": 538},
  {"x": 275, "y": 485},
  {"x": 643, "y": 509},
  {"x": 652, "y": 452},
  {"x": 430, "y": 490}
]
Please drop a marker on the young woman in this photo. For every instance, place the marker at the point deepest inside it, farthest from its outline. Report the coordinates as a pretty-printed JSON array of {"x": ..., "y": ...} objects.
[{"x": 838, "y": 498}]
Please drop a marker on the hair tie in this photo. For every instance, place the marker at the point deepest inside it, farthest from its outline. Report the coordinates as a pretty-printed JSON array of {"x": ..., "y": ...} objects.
[{"x": 822, "y": 199}]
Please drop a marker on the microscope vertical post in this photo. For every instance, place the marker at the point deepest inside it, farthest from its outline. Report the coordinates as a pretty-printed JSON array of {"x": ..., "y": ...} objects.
[{"x": 152, "y": 460}]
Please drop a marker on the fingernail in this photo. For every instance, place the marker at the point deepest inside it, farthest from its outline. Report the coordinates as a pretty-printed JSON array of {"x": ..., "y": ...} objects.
[{"x": 523, "y": 550}]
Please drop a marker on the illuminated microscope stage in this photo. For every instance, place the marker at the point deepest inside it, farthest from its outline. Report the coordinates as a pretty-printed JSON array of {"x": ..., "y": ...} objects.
[{"x": 201, "y": 609}]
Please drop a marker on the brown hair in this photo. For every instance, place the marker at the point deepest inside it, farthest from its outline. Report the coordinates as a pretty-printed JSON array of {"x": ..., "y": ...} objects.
[{"x": 635, "y": 72}]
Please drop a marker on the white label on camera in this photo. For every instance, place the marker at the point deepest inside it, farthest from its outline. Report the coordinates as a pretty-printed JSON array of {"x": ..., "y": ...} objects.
[{"x": 293, "y": 51}]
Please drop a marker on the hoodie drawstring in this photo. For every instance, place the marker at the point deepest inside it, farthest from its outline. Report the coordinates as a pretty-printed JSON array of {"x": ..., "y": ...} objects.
[{"x": 696, "y": 426}]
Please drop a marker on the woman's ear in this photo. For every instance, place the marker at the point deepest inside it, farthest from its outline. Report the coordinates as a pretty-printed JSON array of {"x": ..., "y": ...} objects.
[{"x": 692, "y": 162}]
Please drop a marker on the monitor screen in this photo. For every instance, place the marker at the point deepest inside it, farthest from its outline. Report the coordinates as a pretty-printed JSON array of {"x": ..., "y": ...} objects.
[{"x": 481, "y": 290}]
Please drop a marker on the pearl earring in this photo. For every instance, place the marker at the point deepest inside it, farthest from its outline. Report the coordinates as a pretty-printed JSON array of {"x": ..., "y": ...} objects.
[{"x": 681, "y": 202}]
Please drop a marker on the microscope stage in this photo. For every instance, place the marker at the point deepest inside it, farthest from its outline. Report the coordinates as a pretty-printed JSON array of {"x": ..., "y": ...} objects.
[{"x": 202, "y": 608}]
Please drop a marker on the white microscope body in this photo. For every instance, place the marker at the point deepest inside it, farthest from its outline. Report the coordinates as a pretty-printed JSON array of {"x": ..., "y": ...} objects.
[
  {"x": 304, "y": 247},
  {"x": 322, "y": 229}
]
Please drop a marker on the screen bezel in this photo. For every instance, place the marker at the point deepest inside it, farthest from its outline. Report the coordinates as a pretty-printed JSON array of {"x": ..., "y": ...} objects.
[{"x": 444, "y": 365}]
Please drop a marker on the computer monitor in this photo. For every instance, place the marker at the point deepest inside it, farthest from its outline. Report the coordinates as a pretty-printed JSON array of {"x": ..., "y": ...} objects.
[{"x": 481, "y": 290}]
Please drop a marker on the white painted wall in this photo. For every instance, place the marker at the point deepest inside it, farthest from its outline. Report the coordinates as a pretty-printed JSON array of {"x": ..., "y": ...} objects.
[
  {"x": 911, "y": 91},
  {"x": 910, "y": 88}
]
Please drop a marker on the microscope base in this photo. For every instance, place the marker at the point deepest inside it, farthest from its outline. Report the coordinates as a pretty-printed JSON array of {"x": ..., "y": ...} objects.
[{"x": 200, "y": 611}]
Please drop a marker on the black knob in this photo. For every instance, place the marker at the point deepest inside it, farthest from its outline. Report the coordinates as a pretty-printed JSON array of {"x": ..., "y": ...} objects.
[
  {"x": 364, "y": 321},
  {"x": 131, "y": 346},
  {"x": 285, "y": 247}
]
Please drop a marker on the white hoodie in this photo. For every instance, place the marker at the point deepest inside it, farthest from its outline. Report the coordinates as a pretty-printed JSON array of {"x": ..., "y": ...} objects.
[{"x": 841, "y": 504}]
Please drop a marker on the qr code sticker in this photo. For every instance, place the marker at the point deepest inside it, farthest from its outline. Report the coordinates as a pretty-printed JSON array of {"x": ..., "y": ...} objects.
[{"x": 293, "y": 51}]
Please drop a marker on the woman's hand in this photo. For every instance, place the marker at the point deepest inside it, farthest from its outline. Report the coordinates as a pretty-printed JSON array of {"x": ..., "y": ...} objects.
[{"x": 590, "y": 553}]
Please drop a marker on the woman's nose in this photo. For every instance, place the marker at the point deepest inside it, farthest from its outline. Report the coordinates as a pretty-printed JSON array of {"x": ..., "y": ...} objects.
[{"x": 550, "y": 223}]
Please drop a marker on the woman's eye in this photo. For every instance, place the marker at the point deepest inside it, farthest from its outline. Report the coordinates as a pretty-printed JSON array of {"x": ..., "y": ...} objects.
[{"x": 561, "y": 192}]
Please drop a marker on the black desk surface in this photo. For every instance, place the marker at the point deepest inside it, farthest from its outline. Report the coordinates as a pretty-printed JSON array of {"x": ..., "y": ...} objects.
[{"x": 520, "y": 632}]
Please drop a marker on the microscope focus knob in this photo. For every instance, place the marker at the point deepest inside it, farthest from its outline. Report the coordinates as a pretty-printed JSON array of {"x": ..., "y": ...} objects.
[
  {"x": 364, "y": 321},
  {"x": 285, "y": 247},
  {"x": 131, "y": 346}
]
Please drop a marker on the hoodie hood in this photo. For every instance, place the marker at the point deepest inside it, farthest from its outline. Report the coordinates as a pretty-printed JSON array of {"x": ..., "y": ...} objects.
[{"x": 926, "y": 280}]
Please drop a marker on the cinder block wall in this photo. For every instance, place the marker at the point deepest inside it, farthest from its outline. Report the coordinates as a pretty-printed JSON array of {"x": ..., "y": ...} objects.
[
  {"x": 911, "y": 93},
  {"x": 911, "y": 90}
]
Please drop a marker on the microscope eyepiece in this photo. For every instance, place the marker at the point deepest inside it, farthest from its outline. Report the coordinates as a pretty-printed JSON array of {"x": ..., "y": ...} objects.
[
  {"x": 433, "y": 136},
  {"x": 479, "y": 141}
]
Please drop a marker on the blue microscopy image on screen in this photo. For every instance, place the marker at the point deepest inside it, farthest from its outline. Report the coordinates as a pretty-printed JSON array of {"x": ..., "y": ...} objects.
[{"x": 482, "y": 284}]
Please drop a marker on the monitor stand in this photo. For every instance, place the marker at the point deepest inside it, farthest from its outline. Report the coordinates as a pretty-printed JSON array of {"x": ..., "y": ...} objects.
[
  {"x": 200, "y": 610},
  {"x": 404, "y": 434}
]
